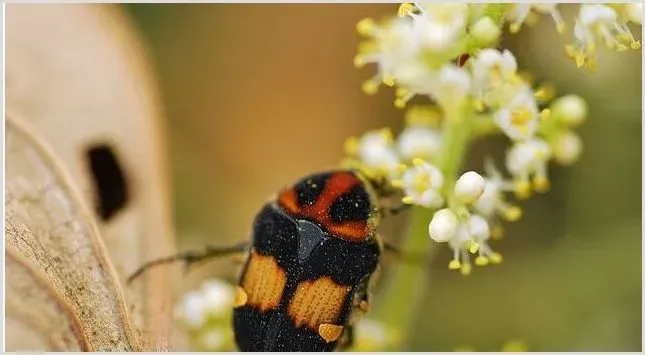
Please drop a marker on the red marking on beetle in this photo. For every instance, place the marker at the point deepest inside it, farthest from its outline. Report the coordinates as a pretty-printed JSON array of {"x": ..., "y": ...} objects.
[{"x": 336, "y": 185}]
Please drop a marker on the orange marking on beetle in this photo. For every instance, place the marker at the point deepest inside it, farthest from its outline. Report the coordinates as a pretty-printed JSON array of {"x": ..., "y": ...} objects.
[
  {"x": 263, "y": 282},
  {"x": 336, "y": 185},
  {"x": 317, "y": 302},
  {"x": 289, "y": 200},
  {"x": 330, "y": 332}
]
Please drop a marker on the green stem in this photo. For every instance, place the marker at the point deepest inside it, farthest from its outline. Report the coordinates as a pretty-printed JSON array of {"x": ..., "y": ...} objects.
[{"x": 406, "y": 282}]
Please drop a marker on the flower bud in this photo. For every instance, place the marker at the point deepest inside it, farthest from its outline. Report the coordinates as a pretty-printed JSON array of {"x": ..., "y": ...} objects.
[
  {"x": 567, "y": 148},
  {"x": 469, "y": 187},
  {"x": 443, "y": 225},
  {"x": 570, "y": 110},
  {"x": 485, "y": 31}
]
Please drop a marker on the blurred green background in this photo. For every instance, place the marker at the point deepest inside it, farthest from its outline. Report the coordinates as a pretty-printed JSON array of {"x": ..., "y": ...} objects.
[{"x": 258, "y": 95}]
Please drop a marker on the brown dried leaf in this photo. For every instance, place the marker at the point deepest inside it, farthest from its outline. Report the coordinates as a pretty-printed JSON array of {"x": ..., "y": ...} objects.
[
  {"x": 79, "y": 75},
  {"x": 48, "y": 225},
  {"x": 35, "y": 312}
]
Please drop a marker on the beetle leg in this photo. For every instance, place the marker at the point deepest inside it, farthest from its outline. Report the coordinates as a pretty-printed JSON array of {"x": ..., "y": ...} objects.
[{"x": 191, "y": 257}]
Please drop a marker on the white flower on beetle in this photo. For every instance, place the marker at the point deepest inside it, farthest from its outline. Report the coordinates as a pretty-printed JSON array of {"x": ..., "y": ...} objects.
[
  {"x": 469, "y": 187},
  {"x": 419, "y": 141},
  {"x": 421, "y": 184},
  {"x": 526, "y": 160},
  {"x": 519, "y": 119}
]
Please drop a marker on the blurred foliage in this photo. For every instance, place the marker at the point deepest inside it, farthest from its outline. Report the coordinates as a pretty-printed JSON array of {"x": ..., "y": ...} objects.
[{"x": 257, "y": 95}]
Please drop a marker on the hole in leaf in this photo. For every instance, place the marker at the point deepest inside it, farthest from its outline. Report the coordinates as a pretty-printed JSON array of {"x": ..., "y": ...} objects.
[{"x": 109, "y": 181}]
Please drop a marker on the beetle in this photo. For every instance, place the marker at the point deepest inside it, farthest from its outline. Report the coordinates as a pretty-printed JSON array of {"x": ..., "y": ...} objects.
[{"x": 313, "y": 255}]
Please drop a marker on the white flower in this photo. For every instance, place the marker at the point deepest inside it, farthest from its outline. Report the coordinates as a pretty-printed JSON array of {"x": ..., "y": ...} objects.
[
  {"x": 570, "y": 110},
  {"x": 443, "y": 225},
  {"x": 491, "y": 202},
  {"x": 469, "y": 187},
  {"x": 218, "y": 297},
  {"x": 438, "y": 26},
  {"x": 422, "y": 184},
  {"x": 520, "y": 12},
  {"x": 390, "y": 47},
  {"x": 528, "y": 159},
  {"x": 419, "y": 142},
  {"x": 519, "y": 119},
  {"x": 452, "y": 85},
  {"x": 213, "y": 339},
  {"x": 634, "y": 12},
  {"x": 567, "y": 147},
  {"x": 598, "y": 22},
  {"x": 472, "y": 236},
  {"x": 192, "y": 309},
  {"x": 491, "y": 68},
  {"x": 375, "y": 150},
  {"x": 214, "y": 299}
]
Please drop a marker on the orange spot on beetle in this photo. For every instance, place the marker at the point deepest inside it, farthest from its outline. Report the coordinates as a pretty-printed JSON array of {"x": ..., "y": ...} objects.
[
  {"x": 263, "y": 282},
  {"x": 317, "y": 302},
  {"x": 330, "y": 332}
]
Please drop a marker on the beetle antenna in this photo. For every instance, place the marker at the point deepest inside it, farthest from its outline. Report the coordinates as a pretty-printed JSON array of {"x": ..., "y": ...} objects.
[{"x": 191, "y": 257}]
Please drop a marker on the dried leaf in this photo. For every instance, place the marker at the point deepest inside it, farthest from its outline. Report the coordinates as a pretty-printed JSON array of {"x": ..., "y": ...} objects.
[
  {"x": 35, "y": 311},
  {"x": 79, "y": 75},
  {"x": 48, "y": 225}
]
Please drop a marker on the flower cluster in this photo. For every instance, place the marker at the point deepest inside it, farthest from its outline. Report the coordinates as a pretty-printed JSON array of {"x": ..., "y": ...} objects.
[
  {"x": 206, "y": 315},
  {"x": 446, "y": 53}
]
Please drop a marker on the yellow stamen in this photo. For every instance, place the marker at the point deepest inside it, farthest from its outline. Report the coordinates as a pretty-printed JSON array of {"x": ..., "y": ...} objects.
[
  {"x": 512, "y": 213},
  {"x": 481, "y": 261},
  {"x": 545, "y": 114},
  {"x": 351, "y": 146},
  {"x": 545, "y": 93},
  {"x": 522, "y": 189},
  {"x": 388, "y": 80},
  {"x": 400, "y": 102},
  {"x": 370, "y": 87},
  {"x": 454, "y": 265},
  {"x": 359, "y": 61},
  {"x": 495, "y": 258},
  {"x": 405, "y": 9},
  {"x": 466, "y": 269},
  {"x": 366, "y": 26},
  {"x": 478, "y": 105},
  {"x": 515, "y": 27},
  {"x": 521, "y": 116},
  {"x": 408, "y": 200},
  {"x": 473, "y": 248},
  {"x": 541, "y": 184},
  {"x": 418, "y": 162},
  {"x": 397, "y": 183},
  {"x": 560, "y": 27}
]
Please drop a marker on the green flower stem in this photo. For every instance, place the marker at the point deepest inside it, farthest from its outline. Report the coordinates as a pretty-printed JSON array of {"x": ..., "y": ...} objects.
[{"x": 407, "y": 282}]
